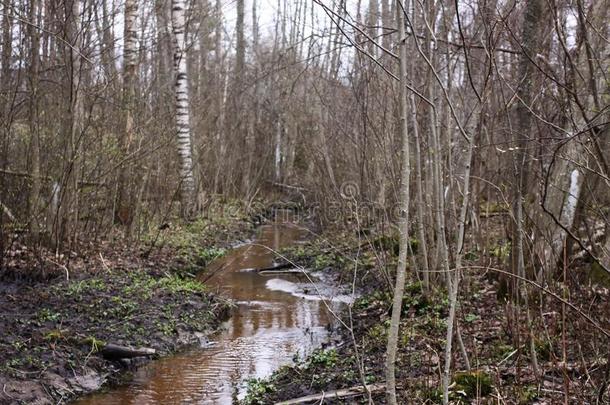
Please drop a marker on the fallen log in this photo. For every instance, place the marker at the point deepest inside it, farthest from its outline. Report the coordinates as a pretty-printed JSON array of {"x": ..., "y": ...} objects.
[
  {"x": 339, "y": 394},
  {"x": 275, "y": 267},
  {"x": 286, "y": 271},
  {"x": 116, "y": 352}
]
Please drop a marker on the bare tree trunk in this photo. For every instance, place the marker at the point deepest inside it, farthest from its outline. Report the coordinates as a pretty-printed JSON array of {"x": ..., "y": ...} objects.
[
  {"x": 5, "y": 79},
  {"x": 372, "y": 25},
  {"x": 183, "y": 127},
  {"x": 454, "y": 285},
  {"x": 403, "y": 226},
  {"x": 331, "y": 67},
  {"x": 162, "y": 48},
  {"x": 530, "y": 40},
  {"x": 420, "y": 197},
  {"x": 418, "y": 174},
  {"x": 220, "y": 91},
  {"x": 7, "y": 43},
  {"x": 125, "y": 203},
  {"x": 239, "y": 131},
  {"x": 563, "y": 189},
  {"x": 240, "y": 50},
  {"x": 277, "y": 159},
  {"x": 34, "y": 203},
  {"x": 386, "y": 23},
  {"x": 108, "y": 41},
  {"x": 253, "y": 119},
  {"x": 5, "y": 70},
  {"x": 68, "y": 218}
]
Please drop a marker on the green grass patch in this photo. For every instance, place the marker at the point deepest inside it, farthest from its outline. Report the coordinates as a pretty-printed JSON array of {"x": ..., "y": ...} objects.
[
  {"x": 472, "y": 384},
  {"x": 80, "y": 287},
  {"x": 256, "y": 391}
]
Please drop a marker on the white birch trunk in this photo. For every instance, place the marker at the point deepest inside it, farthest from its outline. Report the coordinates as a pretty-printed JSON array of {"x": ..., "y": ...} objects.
[
  {"x": 277, "y": 161},
  {"x": 125, "y": 196},
  {"x": 563, "y": 193},
  {"x": 183, "y": 128},
  {"x": 129, "y": 63}
]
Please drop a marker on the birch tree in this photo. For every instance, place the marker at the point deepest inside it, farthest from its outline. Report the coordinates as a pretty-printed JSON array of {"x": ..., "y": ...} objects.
[
  {"x": 125, "y": 203},
  {"x": 183, "y": 128},
  {"x": 566, "y": 173}
]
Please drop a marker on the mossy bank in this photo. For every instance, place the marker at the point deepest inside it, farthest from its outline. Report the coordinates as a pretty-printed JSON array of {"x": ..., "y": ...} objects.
[
  {"x": 145, "y": 295},
  {"x": 499, "y": 368}
]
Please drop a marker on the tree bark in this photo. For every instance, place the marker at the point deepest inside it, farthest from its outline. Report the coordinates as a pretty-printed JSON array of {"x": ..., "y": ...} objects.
[
  {"x": 116, "y": 352},
  {"x": 183, "y": 127},
  {"x": 68, "y": 189},
  {"x": 239, "y": 111},
  {"x": 403, "y": 226},
  {"x": 530, "y": 44},
  {"x": 240, "y": 50},
  {"x": 34, "y": 203},
  {"x": 125, "y": 203}
]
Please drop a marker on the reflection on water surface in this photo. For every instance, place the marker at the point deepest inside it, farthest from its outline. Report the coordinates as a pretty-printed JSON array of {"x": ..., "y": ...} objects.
[{"x": 278, "y": 316}]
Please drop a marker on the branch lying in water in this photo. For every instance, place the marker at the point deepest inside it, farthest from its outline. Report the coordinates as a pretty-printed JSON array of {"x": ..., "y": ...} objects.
[{"x": 116, "y": 352}]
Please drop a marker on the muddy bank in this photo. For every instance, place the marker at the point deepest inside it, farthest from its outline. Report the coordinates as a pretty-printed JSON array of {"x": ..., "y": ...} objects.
[
  {"x": 278, "y": 315},
  {"x": 54, "y": 331},
  {"x": 500, "y": 369}
]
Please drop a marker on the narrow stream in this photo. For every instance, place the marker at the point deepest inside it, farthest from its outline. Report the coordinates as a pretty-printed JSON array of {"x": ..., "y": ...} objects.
[{"x": 278, "y": 317}]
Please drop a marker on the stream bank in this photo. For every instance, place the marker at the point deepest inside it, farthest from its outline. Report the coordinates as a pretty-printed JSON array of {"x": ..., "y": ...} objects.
[
  {"x": 281, "y": 313},
  {"x": 139, "y": 296},
  {"x": 500, "y": 370}
]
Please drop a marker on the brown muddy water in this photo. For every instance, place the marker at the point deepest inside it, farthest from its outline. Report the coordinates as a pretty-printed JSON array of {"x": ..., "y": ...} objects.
[{"x": 278, "y": 317}]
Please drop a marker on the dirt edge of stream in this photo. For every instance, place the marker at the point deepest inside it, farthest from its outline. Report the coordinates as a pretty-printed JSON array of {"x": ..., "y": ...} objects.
[
  {"x": 499, "y": 369},
  {"x": 54, "y": 330}
]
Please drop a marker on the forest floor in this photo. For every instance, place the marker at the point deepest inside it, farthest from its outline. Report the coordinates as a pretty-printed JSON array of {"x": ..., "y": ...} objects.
[
  {"x": 54, "y": 330},
  {"x": 498, "y": 351}
]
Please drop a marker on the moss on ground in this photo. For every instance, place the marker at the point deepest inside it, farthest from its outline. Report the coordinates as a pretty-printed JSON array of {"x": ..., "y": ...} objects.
[
  {"x": 481, "y": 316},
  {"x": 142, "y": 296}
]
